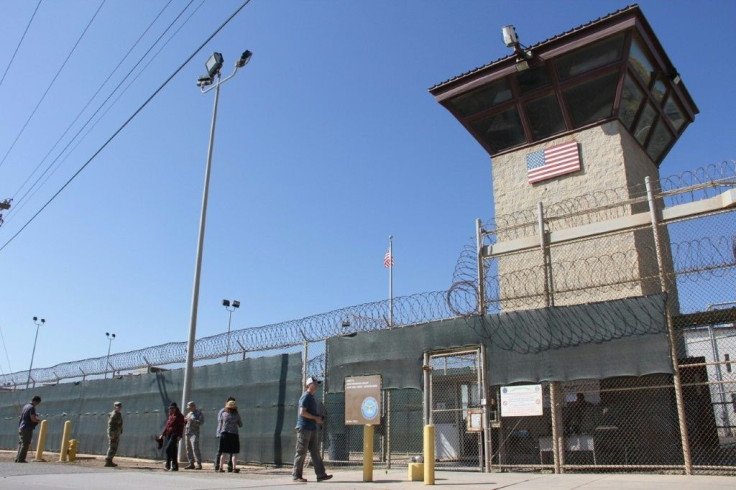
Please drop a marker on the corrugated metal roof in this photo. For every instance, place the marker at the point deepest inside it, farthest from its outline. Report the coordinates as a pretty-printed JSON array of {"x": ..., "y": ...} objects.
[{"x": 540, "y": 44}]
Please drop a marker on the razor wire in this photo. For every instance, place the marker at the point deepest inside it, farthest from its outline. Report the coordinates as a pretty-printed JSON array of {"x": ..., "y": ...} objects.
[{"x": 694, "y": 258}]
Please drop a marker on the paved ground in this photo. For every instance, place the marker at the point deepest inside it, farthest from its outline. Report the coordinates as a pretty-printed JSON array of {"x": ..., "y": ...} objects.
[{"x": 88, "y": 472}]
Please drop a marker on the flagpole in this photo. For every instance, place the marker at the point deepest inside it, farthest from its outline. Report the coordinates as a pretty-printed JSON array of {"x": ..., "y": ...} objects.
[{"x": 391, "y": 282}]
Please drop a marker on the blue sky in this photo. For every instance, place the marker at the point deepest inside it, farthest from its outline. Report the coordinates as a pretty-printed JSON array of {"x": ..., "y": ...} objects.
[{"x": 327, "y": 143}]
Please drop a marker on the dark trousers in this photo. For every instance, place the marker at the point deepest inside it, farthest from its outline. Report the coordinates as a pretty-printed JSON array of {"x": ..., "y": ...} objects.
[
  {"x": 172, "y": 458},
  {"x": 24, "y": 440},
  {"x": 307, "y": 440},
  {"x": 217, "y": 458}
]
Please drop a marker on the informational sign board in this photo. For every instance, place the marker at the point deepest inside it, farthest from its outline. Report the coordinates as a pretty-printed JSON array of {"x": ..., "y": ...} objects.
[
  {"x": 475, "y": 420},
  {"x": 521, "y": 401},
  {"x": 363, "y": 400}
]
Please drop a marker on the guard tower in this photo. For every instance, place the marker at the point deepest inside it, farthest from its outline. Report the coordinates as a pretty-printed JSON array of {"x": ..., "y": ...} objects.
[{"x": 593, "y": 109}]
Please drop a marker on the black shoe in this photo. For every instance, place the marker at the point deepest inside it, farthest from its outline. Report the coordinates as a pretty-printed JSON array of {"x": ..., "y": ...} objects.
[
  {"x": 24, "y": 461},
  {"x": 300, "y": 480},
  {"x": 110, "y": 464},
  {"x": 190, "y": 466},
  {"x": 324, "y": 477},
  {"x": 175, "y": 469}
]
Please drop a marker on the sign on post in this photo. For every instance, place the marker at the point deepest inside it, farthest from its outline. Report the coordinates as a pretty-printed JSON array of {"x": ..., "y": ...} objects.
[{"x": 363, "y": 400}]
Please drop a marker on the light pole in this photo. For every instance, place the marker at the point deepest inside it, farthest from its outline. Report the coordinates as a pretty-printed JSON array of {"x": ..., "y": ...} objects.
[
  {"x": 213, "y": 65},
  {"x": 110, "y": 338},
  {"x": 230, "y": 309},
  {"x": 38, "y": 324}
]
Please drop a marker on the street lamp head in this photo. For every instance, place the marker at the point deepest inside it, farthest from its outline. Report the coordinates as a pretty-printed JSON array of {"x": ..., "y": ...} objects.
[
  {"x": 43, "y": 320},
  {"x": 204, "y": 80},
  {"x": 236, "y": 303},
  {"x": 244, "y": 59},
  {"x": 35, "y": 318},
  {"x": 225, "y": 303},
  {"x": 110, "y": 335},
  {"x": 213, "y": 64}
]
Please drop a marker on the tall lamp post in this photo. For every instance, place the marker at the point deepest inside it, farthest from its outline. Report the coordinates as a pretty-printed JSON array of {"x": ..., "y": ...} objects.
[
  {"x": 38, "y": 324},
  {"x": 211, "y": 80},
  {"x": 235, "y": 304},
  {"x": 110, "y": 338}
]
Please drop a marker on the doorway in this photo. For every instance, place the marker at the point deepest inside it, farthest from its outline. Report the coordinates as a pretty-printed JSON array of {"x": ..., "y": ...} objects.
[{"x": 457, "y": 408}]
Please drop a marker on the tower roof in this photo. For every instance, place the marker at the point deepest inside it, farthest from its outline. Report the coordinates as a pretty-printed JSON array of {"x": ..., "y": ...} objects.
[{"x": 611, "y": 68}]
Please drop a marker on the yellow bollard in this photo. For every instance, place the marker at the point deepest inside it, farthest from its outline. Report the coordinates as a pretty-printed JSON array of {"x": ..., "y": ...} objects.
[
  {"x": 367, "y": 453},
  {"x": 65, "y": 441},
  {"x": 73, "y": 449},
  {"x": 429, "y": 454},
  {"x": 41, "y": 441}
]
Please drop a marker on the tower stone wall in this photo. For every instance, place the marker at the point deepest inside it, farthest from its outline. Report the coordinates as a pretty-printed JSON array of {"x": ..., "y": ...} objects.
[{"x": 607, "y": 267}]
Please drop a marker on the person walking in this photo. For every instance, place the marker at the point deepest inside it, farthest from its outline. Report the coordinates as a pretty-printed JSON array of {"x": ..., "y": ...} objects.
[
  {"x": 217, "y": 434},
  {"x": 307, "y": 434},
  {"x": 114, "y": 431},
  {"x": 194, "y": 419},
  {"x": 173, "y": 431},
  {"x": 26, "y": 423},
  {"x": 228, "y": 423}
]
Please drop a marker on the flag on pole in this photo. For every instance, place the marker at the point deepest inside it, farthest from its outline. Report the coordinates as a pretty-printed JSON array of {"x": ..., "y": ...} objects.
[
  {"x": 552, "y": 162},
  {"x": 388, "y": 259}
]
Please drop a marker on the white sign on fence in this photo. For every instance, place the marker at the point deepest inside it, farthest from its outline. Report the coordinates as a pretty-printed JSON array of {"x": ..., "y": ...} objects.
[{"x": 521, "y": 401}]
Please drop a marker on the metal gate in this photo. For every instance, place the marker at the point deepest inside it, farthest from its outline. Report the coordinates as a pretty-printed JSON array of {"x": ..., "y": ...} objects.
[{"x": 456, "y": 401}]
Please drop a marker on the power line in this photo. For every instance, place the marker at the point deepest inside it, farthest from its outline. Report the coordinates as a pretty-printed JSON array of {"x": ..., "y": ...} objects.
[
  {"x": 74, "y": 48},
  {"x": 35, "y": 183},
  {"x": 20, "y": 42},
  {"x": 137, "y": 111}
]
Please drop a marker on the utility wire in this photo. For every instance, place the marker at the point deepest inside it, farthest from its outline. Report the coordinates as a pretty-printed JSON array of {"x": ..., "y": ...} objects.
[
  {"x": 20, "y": 42},
  {"x": 137, "y": 111},
  {"x": 17, "y": 137},
  {"x": 58, "y": 162},
  {"x": 18, "y": 201}
]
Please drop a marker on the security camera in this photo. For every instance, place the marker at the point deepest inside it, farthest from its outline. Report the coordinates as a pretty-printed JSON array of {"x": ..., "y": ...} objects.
[
  {"x": 204, "y": 80},
  {"x": 509, "y": 36}
]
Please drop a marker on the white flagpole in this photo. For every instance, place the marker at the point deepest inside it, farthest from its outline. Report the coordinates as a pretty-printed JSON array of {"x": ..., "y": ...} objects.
[{"x": 391, "y": 282}]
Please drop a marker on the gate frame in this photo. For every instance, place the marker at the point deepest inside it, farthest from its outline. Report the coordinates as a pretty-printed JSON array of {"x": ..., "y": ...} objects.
[{"x": 484, "y": 462}]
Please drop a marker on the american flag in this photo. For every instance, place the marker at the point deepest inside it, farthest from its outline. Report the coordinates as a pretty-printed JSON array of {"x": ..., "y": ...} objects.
[
  {"x": 388, "y": 260},
  {"x": 557, "y": 160}
]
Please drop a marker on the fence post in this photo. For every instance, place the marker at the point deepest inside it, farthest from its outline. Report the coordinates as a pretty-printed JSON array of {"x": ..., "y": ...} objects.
[
  {"x": 558, "y": 435},
  {"x": 481, "y": 268},
  {"x": 387, "y": 429},
  {"x": 654, "y": 215}
]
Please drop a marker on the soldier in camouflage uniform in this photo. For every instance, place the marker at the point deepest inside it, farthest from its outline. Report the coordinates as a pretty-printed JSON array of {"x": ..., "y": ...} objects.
[
  {"x": 114, "y": 430},
  {"x": 194, "y": 418}
]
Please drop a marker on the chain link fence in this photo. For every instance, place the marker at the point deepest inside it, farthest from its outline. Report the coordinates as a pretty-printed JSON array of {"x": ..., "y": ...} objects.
[{"x": 674, "y": 236}]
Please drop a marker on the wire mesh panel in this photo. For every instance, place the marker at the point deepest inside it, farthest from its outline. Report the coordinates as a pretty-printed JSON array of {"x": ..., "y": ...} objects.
[
  {"x": 518, "y": 441},
  {"x": 456, "y": 391}
]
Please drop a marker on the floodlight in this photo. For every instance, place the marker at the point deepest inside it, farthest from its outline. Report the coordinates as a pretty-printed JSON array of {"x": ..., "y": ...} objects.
[
  {"x": 225, "y": 303},
  {"x": 236, "y": 303},
  {"x": 213, "y": 64},
  {"x": 509, "y": 36}
]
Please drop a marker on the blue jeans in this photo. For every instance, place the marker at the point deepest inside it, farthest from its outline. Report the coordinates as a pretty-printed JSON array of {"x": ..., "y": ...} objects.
[{"x": 307, "y": 440}]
